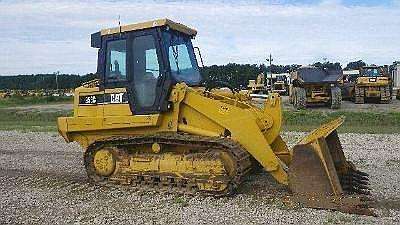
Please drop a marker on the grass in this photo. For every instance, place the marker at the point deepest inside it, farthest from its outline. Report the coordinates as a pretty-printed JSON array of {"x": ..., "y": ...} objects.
[
  {"x": 181, "y": 201},
  {"x": 356, "y": 122},
  {"x": 303, "y": 120},
  {"x": 34, "y": 100},
  {"x": 13, "y": 119}
]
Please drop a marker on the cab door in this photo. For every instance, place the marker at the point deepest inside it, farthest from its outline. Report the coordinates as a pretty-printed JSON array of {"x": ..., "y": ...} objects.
[
  {"x": 148, "y": 87},
  {"x": 115, "y": 99}
]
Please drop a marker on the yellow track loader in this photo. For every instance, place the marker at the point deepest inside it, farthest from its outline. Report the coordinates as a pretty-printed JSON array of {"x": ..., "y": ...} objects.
[{"x": 149, "y": 122}]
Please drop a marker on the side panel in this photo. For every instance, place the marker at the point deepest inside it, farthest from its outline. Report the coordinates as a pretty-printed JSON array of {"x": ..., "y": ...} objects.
[
  {"x": 116, "y": 102},
  {"x": 86, "y": 102}
]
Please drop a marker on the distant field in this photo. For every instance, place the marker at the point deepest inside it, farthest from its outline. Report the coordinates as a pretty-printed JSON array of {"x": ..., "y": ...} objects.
[
  {"x": 24, "y": 101},
  {"x": 25, "y": 120},
  {"x": 40, "y": 114},
  {"x": 356, "y": 122}
]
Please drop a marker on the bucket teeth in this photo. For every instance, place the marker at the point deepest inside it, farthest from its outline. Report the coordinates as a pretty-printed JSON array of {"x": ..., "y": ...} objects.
[
  {"x": 362, "y": 192},
  {"x": 360, "y": 178},
  {"x": 358, "y": 190},
  {"x": 362, "y": 187},
  {"x": 361, "y": 173},
  {"x": 362, "y": 182},
  {"x": 356, "y": 181}
]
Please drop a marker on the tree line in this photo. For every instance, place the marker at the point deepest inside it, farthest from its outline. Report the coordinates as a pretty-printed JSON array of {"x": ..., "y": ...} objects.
[
  {"x": 43, "y": 81},
  {"x": 236, "y": 75}
]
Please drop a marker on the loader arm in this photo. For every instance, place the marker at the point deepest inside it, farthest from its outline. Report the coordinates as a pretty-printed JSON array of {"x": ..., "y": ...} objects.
[{"x": 241, "y": 123}]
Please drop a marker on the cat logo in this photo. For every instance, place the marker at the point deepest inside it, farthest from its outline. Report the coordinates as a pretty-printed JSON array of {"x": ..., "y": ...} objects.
[{"x": 117, "y": 98}]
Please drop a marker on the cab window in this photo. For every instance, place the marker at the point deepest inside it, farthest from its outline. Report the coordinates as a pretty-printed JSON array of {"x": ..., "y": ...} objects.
[
  {"x": 116, "y": 61},
  {"x": 372, "y": 72},
  {"x": 146, "y": 70},
  {"x": 181, "y": 58}
]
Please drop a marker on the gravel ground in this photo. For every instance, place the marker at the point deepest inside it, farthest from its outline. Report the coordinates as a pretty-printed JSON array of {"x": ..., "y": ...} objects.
[{"x": 42, "y": 181}]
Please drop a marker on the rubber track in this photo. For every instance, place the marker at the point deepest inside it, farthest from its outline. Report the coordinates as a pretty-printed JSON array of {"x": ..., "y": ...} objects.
[
  {"x": 359, "y": 95},
  {"x": 385, "y": 92},
  {"x": 184, "y": 186},
  {"x": 336, "y": 98},
  {"x": 300, "y": 100}
]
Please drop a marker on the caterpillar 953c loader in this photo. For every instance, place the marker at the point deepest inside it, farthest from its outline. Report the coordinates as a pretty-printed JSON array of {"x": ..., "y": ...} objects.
[{"x": 149, "y": 122}]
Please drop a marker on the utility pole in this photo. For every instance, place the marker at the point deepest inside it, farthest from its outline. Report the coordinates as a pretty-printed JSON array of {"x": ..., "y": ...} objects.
[
  {"x": 270, "y": 70},
  {"x": 57, "y": 73},
  {"x": 324, "y": 66}
]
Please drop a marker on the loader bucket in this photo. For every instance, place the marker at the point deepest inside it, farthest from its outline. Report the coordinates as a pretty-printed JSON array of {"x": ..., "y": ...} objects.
[{"x": 321, "y": 177}]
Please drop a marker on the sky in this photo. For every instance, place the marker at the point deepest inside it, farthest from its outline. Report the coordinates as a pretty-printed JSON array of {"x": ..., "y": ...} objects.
[{"x": 49, "y": 36}]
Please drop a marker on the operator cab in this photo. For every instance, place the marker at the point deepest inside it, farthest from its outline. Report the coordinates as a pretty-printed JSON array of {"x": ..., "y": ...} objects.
[
  {"x": 371, "y": 71},
  {"x": 146, "y": 59}
]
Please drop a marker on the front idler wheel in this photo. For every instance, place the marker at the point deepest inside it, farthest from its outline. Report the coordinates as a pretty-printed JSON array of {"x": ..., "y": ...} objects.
[{"x": 100, "y": 163}]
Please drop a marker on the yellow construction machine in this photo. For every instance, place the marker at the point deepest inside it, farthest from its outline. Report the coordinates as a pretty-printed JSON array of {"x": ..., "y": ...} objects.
[
  {"x": 149, "y": 122},
  {"x": 280, "y": 84},
  {"x": 5, "y": 94},
  {"x": 374, "y": 82},
  {"x": 313, "y": 85},
  {"x": 258, "y": 86}
]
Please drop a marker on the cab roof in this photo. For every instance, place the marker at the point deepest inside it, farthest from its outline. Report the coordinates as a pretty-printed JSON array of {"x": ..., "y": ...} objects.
[{"x": 150, "y": 24}]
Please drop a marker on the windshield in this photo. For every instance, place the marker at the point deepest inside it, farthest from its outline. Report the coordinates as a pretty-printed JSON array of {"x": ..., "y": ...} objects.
[
  {"x": 181, "y": 58},
  {"x": 371, "y": 72},
  {"x": 281, "y": 78}
]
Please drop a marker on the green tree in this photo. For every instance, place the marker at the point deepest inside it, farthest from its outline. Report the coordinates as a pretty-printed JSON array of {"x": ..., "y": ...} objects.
[
  {"x": 43, "y": 81},
  {"x": 328, "y": 65},
  {"x": 356, "y": 65}
]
